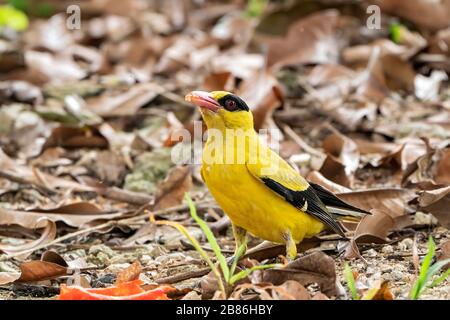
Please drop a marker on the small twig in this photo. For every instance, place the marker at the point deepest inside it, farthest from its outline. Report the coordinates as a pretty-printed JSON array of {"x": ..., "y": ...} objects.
[{"x": 183, "y": 276}]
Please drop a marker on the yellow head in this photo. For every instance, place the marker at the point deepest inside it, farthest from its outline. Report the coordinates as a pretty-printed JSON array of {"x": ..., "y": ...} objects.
[{"x": 222, "y": 110}]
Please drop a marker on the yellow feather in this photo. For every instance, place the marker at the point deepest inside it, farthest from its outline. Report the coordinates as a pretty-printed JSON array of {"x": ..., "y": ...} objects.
[{"x": 248, "y": 202}]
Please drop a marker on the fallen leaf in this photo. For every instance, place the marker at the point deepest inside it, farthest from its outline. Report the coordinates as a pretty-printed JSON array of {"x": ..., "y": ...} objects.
[
  {"x": 125, "y": 103},
  {"x": 432, "y": 15},
  {"x": 445, "y": 253},
  {"x": 263, "y": 94},
  {"x": 75, "y": 137},
  {"x": 8, "y": 277},
  {"x": 38, "y": 270},
  {"x": 374, "y": 228},
  {"x": 75, "y": 215},
  {"x": 318, "y": 178},
  {"x": 290, "y": 290},
  {"x": 341, "y": 151},
  {"x": 48, "y": 234},
  {"x": 392, "y": 201},
  {"x": 380, "y": 291},
  {"x": 437, "y": 203},
  {"x": 130, "y": 273},
  {"x": 316, "y": 267},
  {"x": 170, "y": 192},
  {"x": 312, "y": 39}
]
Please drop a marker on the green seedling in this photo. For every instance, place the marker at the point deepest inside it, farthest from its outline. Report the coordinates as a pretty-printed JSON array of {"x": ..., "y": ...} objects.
[
  {"x": 348, "y": 274},
  {"x": 428, "y": 271},
  {"x": 226, "y": 275}
]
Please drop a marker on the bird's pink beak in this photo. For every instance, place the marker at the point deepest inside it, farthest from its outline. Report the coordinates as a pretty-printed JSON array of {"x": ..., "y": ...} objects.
[{"x": 203, "y": 100}]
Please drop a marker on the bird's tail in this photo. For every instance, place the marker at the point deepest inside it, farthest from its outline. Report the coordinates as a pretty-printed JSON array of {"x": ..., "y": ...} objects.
[{"x": 340, "y": 209}]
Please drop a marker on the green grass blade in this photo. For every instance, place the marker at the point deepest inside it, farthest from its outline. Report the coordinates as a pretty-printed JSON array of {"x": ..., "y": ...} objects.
[
  {"x": 197, "y": 247},
  {"x": 348, "y": 274},
  {"x": 240, "y": 251},
  {"x": 435, "y": 268},
  {"x": 419, "y": 284},
  {"x": 210, "y": 237}
]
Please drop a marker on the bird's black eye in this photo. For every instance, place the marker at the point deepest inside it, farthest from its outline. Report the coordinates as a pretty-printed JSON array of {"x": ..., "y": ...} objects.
[{"x": 230, "y": 105}]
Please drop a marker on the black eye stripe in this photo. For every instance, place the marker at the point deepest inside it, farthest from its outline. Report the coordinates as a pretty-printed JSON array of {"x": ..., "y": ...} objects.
[{"x": 240, "y": 104}]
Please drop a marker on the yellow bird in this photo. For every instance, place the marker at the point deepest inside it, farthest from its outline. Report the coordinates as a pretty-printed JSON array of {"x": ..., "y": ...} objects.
[{"x": 259, "y": 191}]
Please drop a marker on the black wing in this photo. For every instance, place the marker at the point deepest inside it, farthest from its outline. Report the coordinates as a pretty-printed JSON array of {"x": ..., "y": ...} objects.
[
  {"x": 306, "y": 201},
  {"x": 336, "y": 205}
]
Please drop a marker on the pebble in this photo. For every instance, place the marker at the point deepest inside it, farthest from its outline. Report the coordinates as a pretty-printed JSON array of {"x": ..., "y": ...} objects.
[
  {"x": 406, "y": 244},
  {"x": 371, "y": 253},
  {"x": 388, "y": 249},
  {"x": 397, "y": 275},
  {"x": 424, "y": 218}
]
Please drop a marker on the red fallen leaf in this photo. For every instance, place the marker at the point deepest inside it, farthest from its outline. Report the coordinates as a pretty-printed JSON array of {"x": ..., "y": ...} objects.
[{"x": 123, "y": 291}]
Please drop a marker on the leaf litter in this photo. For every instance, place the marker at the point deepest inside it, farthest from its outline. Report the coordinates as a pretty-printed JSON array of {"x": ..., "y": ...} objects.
[{"x": 87, "y": 118}]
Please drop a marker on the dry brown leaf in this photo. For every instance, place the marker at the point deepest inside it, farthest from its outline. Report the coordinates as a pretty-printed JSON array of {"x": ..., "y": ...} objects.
[
  {"x": 8, "y": 277},
  {"x": 290, "y": 290},
  {"x": 171, "y": 191},
  {"x": 374, "y": 228},
  {"x": 75, "y": 215},
  {"x": 75, "y": 137},
  {"x": 312, "y": 39},
  {"x": 380, "y": 291},
  {"x": 33, "y": 271},
  {"x": 320, "y": 296},
  {"x": 317, "y": 177},
  {"x": 392, "y": 201},
  {"x": 219, "y": 81},
  {"x": 437, "y": 202},
  {"x": 48, "y": 234},
  {"x": 445, "y": 253},
  {"x": 342, "y": 160},
  {"x": 432, "y": 15},
  {"x": 430, "y": 168},
  {"x": 263, "y": 94},
  {"x": 316, "y": 267},
  {"x": 126, "y": 103},
  {"x": 132, "y": 272}
]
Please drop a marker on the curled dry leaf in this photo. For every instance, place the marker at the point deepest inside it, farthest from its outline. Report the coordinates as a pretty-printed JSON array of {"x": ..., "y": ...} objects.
[
  {"x": 170, "y": 192},
  {"x": 75, "y": 215},
  {"x": 431, "y": 168},
  {"x": 437, "y": 202},
  {"x": 374, "y": 228},
  {"x": 316, "y": 267},
  {"x": 50, "y": 266},
  {"x": 131, "y": 273},
  {"x": 48, "y": 234},
  {"x": 8, "y": 277},
  {"x": 342, "y": 151}
]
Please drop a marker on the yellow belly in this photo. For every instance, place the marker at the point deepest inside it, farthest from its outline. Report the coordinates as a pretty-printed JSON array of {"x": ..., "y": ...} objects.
[{"x": 254, "y": 207}]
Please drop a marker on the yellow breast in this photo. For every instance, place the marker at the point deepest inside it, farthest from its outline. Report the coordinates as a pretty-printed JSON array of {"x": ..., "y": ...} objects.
[{"x": 253, "y": 206}]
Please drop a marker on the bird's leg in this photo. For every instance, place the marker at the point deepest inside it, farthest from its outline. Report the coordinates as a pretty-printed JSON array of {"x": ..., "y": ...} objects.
[
  {"x": 240, "y": 237},
  {"x": 291, "y": 246}
]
